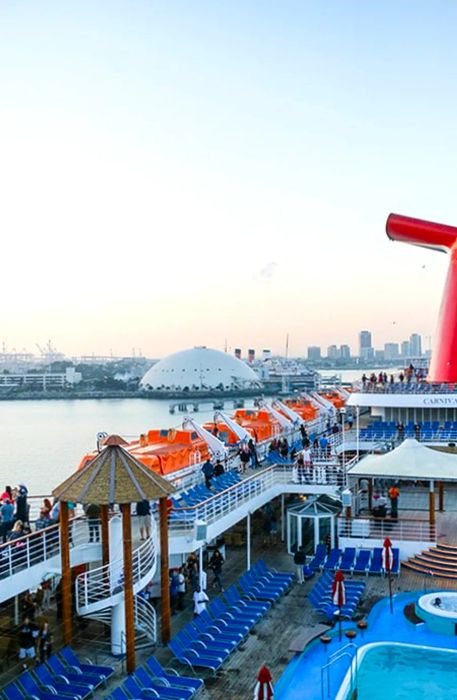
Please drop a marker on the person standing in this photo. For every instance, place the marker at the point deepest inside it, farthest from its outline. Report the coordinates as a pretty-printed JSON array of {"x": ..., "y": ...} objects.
[
  {"x": 393, "y": 496},
  {"x": 219, "y": 468},
  {"x": 215, "y": 563},
  {"x": 200, "y": 599},
  {"x": 181, "y": 588},
  {"x": 143, "y": 511},
  {"x": 28, "y": 632},
  {"x": 44, "y": 642},
  {"x": 22, "y": 511},
  {"x": 300, "y": 561},
  {"x": 253, "y": 454},
  {"x": 174, "y": 590},
  {"x": 7, "y": 518},
  {"x": 208, "y": 472},
  {"x": 244, "y": 458},
  {"x": 93, "y": 511}
]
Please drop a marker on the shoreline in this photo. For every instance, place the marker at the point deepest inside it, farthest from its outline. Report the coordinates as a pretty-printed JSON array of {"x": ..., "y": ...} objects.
[{"x": 191, "y": 397}]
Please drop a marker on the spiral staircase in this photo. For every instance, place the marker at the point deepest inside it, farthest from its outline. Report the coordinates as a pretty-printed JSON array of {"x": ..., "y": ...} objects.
[{"x": 100, "y": 592}]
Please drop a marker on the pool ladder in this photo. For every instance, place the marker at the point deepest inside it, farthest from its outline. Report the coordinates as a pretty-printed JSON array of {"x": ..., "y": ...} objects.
[{"x": 340, "y": 654}]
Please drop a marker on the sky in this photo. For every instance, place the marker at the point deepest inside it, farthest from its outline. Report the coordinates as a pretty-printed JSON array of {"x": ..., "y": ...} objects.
[{"x": 183, "y": 173}]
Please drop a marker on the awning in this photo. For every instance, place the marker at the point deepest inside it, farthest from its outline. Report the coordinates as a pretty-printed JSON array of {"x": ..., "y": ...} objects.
[{"x": 411, "y": 460}]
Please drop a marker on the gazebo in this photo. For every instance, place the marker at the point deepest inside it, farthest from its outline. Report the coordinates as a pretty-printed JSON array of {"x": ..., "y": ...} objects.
[
  {"x": 115, "y": 476},
  {"x": 411, "y": 461}
]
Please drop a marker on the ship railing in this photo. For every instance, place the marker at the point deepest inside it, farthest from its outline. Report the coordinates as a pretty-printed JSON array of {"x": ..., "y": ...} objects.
[
  {"x": 40, "y": 546},
  {"x": 100, "y": 584},
  {"x": 213, "y": 509},
  {"x": 409, "y": 529}
]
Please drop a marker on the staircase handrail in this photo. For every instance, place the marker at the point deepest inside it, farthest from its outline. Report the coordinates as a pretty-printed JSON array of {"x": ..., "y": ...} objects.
[{"x": 104, "y": 582}]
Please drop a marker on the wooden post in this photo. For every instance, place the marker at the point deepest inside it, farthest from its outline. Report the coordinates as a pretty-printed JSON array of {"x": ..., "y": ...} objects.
[
  {"x": 128, "y": 587},
  {"x": 105, "y": 534},
  {"x": 441, "y": 496},
  {"x": 431, "y": 507},
  {"x": 66, "y": 572},
  {"x": 164, "y": 571}
]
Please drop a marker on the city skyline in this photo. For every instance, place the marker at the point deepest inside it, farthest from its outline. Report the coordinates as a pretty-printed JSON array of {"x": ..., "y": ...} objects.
[{"x": 178, "y": 175}]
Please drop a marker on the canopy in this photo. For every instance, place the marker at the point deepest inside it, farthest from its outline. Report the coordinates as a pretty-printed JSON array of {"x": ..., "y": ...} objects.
[{"x": 411, "y": 460}]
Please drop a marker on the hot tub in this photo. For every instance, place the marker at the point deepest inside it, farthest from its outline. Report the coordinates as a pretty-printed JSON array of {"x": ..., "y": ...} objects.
[{"x": 439, "y": 611}]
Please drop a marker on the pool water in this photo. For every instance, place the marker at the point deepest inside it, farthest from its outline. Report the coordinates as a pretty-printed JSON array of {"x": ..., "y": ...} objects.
[{"x": 404, "y": 672}]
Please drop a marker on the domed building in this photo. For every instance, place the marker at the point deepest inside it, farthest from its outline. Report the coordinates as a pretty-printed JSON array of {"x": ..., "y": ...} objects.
[{"x": 200, "y": 370}]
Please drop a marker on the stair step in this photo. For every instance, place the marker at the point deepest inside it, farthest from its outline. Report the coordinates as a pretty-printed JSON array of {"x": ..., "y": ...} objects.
[
  {"x": 447, "y": 566},
  {"x": 436, "y": 574}
]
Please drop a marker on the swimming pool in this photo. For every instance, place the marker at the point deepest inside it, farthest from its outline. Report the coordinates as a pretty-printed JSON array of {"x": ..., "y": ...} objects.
[{"x": 392, "y": 671}]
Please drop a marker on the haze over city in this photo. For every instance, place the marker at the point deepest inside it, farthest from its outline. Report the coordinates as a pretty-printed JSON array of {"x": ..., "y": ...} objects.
[{"x": 176, "y": 174}]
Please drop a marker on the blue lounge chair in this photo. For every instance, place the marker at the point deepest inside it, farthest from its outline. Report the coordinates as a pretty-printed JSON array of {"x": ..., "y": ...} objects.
[
  {"x": 362, "y": 562},
  {"x": 220, "y": 609},
  {"x": 120, "y": 693},
  {"x": 57, "y": 668},
  {"x": 333, "y": 559},
  {"x": 70, "y": 659},
  {"x": 165, "y": 690},
  {"x": 319, "y": 557},
  {"x": 13, "y": 692},
  {"x": 223, "y": 616},
  {"x": 192, "y": 638},
  {"x": 32, "y": 688},
  {"x": 172, "y": 676},
  {"x": 348, "y": 560},
  {"x": 272, "y": 573},
  {"x": 280, "y": 586},
  {"x": 61, "y": 685},
  {"x": 232, "y": 631},
  {"x": 376, "y": 561},
  {"x": 258, "y": 591},
  {"x": 233, "y": 598},
  {"x": 191, "y": 658},
  {"x": 396, "y": 561},
  {"x": 135, "y": 691}
]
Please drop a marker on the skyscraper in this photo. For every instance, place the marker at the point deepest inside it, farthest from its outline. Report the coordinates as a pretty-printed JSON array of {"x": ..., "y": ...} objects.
[
  {"x": 345, "y": 352},
  {"x": 415, "y": 345},
  {"x": 333, "y": 353},
  {"x": 314, "y": 353},
  {"x": 391, "y": 351},
  {"x": 406, "y": 348},
  {"x": 365, "y": 347}
]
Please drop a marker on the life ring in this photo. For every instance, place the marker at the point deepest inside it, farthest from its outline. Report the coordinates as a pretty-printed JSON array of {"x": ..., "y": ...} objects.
[{"x": 171, "y": 435}]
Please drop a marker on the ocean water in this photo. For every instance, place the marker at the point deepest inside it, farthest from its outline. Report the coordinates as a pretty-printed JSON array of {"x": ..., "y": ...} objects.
[{"x": 42, "y": 442}]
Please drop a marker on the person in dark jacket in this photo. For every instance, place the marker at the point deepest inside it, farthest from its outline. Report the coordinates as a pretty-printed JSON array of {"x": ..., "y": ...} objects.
[
  {"x": 22, "y": 511},
  {"x": 208, "y": 472},
  {"x": 300, "y": 561},
  {"x": 219, "y": 468},
  {"x": 143, "y": 511},
  {"x": 215, "y": 563}
]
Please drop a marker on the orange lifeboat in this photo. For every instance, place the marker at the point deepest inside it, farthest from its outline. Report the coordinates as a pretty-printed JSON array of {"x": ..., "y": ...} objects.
[
  {"x": 164, "y": 451},
  {"x": 304, "y": 408},
  {"x": 334, "y": 398},
  {"x": 259, "y": 423}
]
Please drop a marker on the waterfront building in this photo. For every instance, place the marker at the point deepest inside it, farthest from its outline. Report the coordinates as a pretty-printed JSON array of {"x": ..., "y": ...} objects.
[
  {"x": 366, "y": 352},
  {"x": 333, "y": 352},
  {"x": 406, "y": 349},
  {"x": 415, "y": 344},
  {"x": 314, "y": 353},
  {"x": 345, "y": 352},
  {"x": 391, "y": 351}
]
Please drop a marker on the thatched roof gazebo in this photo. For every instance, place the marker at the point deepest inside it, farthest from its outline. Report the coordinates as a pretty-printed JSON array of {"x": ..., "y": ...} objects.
[{"x": 115, "y": 476}]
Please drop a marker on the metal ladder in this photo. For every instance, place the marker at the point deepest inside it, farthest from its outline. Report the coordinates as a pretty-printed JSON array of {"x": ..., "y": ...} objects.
[{"x": 340, "y": 654}]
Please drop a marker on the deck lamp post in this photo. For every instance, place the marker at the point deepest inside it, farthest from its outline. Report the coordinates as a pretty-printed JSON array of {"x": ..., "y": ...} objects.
[
  {"x": 343, "y": 443},
  {"x": 357, "y": 427}
]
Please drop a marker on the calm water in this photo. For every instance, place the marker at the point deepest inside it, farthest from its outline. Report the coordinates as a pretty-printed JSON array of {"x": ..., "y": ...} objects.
[
  {"x": 42, "y": 442},
  {"x": 391, "y": 672}
]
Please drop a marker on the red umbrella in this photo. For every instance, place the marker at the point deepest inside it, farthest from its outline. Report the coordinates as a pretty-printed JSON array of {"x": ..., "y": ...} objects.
[
  {"x": 387, "y": 564},
  {"x": 338, "y": 590},
  {"x": 263, "y": 689},
  {"x": 339, "y": 595}
]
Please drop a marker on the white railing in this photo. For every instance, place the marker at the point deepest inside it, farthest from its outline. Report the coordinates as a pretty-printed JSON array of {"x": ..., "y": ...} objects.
[
  {"x": 214, "y": 508},
  {"x": 145, "y": 619},
  {"x": 98, "y": 586},
  {"x": 39, "y": 546},
  {"x": 380, "y": 528}
]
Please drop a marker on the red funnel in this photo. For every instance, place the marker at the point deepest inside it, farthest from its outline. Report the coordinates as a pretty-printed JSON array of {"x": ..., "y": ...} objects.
[{"x": 443, "y": 366}]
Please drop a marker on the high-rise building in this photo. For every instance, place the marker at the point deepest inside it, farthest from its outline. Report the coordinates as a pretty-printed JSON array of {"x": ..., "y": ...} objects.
[
  {"x": 365, "y": 347},
  {"x": 333, "y": 353},
  {"x": 415, "y": 345},
  {"x": 406, "y": 348},
  {"x": 345, "y": 352},
  {"x": 314, "y": 353},
  {"x": 391, "y": 351}
]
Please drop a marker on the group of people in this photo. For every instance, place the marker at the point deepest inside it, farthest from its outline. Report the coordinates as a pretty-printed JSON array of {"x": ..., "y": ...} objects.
[
  {"x": 210, "y": 471},
  {"x": 405, "y": 376},
  {"x": 189, "y": 577},
  {"x": 35, "y": 640}
]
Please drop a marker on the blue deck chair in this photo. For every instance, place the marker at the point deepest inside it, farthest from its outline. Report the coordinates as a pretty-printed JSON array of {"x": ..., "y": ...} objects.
[
  {"x": 333, "y": 559},
  {"x": 165, "y": 690},
  {"x": 192, "y": 638},
  {"x": 348, "y": 560},
  {"x": 319, "y": 557},
  {"x": 119, "y": 694},
  {"x": 248, "y": 581},
  {"x": 45, "y": 678},
  {"x": 32, "y": 688},
  {"x": 221, "y": 615},
  {"x": 272, "y": 573},
  {"x": 235, "y": 631},
  {"x": 172, "y": 676},
  {"x": 133, "y": 690},
  {"x": 57, "y": 668},
  {"x": 362, "y": 562},
  {"x": 258, "y": 592},
  {"x": 13, "y": 692},
  {"x": 376, "y": 561},
  {"x": 233, "y": 597},
  {"x": 256, "y": 578},
  {"x": 70, "y": 659},
  {"x": 234, "y": 614},
  {"x": 396, "y": 561},
  {"x": 191, "y": 658}
]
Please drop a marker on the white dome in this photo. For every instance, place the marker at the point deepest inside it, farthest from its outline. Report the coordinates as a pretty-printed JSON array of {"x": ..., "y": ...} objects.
[{"x": 200, "y": 369}]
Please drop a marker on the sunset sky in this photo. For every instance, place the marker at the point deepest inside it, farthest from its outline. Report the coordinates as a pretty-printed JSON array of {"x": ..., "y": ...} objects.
[{"x": 182, "y": 173}]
